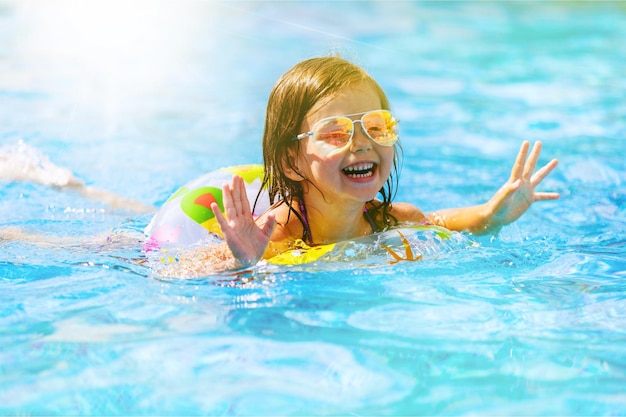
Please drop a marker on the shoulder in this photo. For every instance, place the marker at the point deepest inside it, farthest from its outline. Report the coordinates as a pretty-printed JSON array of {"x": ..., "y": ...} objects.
[
  {"x": 288, "y": 225},
  {"x": 407, "y": 213},
  {"x": 288, "y": 229}
]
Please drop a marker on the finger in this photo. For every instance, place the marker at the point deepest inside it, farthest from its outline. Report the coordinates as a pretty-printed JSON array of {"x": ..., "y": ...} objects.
[
  {"x": 243, "y": 205},
  {"x": 543, "y": 172},
  {"x": 221, "y": 220},
  {"x": 518, "y": 166},
  {"x": 268, "y": 227},
  {"x": 506, "y": 191},
  {"x": 236, "y": 196},
  {"x": 531, "y": 163},
  {"x": 546, "y": 196},
  {"x": 230, "y": 209}
]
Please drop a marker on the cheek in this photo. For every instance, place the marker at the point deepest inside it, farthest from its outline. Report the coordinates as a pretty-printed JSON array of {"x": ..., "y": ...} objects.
[
  {"x": 386, "y": 159},
  {"x": 307, "y": 162},
  {"x": 311, "y": 159}
]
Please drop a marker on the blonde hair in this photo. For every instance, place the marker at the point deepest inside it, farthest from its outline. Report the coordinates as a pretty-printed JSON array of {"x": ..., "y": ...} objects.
[{"x": 293, "y": 95}]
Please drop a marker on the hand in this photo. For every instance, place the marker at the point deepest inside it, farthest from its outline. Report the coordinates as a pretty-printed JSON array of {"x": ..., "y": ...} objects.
[
  {"x": 246, "y": 240},
  {"x": 518, "y": 194}
]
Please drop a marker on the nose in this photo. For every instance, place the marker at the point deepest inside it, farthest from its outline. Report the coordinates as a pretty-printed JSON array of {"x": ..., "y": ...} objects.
[{"x": 360, "y": 141}]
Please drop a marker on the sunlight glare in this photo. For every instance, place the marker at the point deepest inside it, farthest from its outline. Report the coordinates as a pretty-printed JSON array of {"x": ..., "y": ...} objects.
[{"x": 110, "y": 47}]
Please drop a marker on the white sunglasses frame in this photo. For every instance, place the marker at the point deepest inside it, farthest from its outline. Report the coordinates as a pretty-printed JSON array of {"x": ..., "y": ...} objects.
[{"x": 359, "y": 120}]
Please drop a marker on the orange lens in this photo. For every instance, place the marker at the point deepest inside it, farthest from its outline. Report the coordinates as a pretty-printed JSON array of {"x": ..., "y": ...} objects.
[
  {"x": 381, "y": 127},
  {"x": 335, "y": 131}
]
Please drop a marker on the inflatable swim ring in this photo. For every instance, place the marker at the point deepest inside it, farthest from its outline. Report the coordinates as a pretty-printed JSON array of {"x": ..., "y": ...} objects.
[
  {"x": 408, "y": 243},
  {"x": 186, "y": 220}
]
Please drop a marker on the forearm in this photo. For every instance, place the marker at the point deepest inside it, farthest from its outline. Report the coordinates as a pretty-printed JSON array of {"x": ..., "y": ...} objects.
[
  {"x": 511, "y": 200},
  {"x": 198, "y": 262},
  {"x": 474, "y": 219}
]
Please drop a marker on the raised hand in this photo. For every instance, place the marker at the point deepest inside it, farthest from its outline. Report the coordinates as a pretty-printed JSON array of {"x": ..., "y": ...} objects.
[
  {"x": 245, "y": 238},
  {"x": 518, "y": 193}
]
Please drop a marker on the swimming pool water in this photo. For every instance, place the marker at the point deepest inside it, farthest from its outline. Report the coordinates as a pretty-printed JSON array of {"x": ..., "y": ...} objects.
[{"x": 141, "y": 97}]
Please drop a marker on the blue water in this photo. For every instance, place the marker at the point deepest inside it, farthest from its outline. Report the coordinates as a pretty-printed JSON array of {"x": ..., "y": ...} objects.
[{"x": 140, "y": 97}]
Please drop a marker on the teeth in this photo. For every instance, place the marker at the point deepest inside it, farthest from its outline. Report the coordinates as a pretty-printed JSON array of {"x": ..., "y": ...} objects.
[
  {"x": 359, "y": 167},
  {"x": 361, "y": 170}
]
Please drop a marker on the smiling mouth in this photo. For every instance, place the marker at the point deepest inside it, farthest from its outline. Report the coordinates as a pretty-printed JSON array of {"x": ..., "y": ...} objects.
[{"x": 362, "y": 170}]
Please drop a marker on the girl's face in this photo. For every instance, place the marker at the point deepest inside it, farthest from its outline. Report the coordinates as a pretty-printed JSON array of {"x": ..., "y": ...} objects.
[{"x": 354, "y": 173}]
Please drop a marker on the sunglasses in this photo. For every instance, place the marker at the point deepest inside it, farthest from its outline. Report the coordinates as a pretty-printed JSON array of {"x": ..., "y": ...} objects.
[{"x": 336, "y": 132}]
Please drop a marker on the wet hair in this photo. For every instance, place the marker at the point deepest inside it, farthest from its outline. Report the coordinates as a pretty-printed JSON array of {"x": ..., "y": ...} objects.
[{"x": 292, "y": 97}]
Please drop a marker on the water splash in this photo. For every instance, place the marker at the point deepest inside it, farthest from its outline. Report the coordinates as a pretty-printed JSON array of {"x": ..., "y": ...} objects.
[{"x": 23, "y": 162}]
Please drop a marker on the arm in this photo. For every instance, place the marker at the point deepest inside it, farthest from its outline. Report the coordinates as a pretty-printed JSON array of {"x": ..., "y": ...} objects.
[
  {"x": 246, "y": 240},
  {"x": 508, "y": 203},
  {"x": 244, "y": 244},
  {"x": 198, "y": 262}
]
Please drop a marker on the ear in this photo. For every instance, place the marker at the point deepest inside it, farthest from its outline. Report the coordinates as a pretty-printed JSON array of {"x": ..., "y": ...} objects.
[{"x": 290, "y": 164}]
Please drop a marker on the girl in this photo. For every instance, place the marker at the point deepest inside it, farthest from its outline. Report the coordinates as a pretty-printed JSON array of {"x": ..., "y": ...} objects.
[{"x": 330, "y": 146}]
